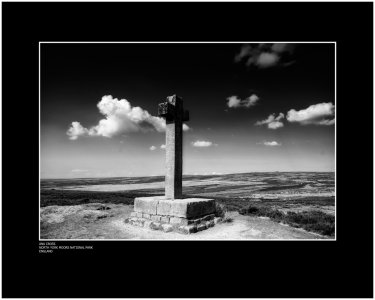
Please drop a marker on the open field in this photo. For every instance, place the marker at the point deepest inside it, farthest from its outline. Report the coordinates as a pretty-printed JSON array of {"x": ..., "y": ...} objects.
[{"x": 301, "y": 193}]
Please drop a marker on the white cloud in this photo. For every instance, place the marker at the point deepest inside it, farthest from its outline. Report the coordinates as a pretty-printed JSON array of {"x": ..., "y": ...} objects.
[
  {"x": 251, "y": 101},
  {"x": 265, "y": 55},
  {"x": 162, "y": 146},
  {"x": 266, "y": 60},
  {"x": 152, "y": 148},
  {"x": 272, "y": 144},
  {"x": 244, "y": 51},
  {"x": 76, "y": 130},
  {"x": 275, "y": 125},
  {"x": 120, "y": 117},
  {"x": 317, "y": 114},
  {"x": 327, "y": 122},
  {"x": 202, "y": 144},
  {"x": 272, "y": 121},
  {"x": 235, "y": 102}
]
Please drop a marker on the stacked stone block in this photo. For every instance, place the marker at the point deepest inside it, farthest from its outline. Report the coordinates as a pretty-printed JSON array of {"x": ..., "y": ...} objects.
[{"x": 182, "y": 215}]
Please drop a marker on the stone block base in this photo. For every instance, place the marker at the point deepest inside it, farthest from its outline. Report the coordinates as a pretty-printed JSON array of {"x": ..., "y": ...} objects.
[
  {"x": 182, "y": 208},
  {"x": 195, "y": 226},
  {"x": 182, "y": 215}
]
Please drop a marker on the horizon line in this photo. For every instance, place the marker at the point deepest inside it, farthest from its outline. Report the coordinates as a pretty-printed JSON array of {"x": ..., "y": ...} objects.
[{"x": 216, "y": 174}]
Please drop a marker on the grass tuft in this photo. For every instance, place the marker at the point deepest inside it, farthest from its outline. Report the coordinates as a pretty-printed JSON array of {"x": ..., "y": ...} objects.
[
  {"x": 315, "y": 221},
  {"x": 220, "y": 210}
]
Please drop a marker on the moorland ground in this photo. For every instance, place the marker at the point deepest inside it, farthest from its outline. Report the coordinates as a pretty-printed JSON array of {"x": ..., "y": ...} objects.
[{"x": 304, "y": 200}]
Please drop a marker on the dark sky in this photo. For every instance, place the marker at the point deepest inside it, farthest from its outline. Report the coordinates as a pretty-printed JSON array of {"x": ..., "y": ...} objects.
[{"x": 266, "y": 79}]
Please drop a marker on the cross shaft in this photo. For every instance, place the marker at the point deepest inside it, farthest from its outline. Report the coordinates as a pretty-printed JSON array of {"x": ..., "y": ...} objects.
[{"x": 174, "y": 114}]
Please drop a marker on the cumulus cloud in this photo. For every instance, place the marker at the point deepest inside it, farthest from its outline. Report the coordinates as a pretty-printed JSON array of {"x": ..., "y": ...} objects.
[
  {"x": 272, "y": 121},
  {"x": 265, "y": 55},
  {"x": 120, "y": 117},
  {"x": 162, "y": 146},
  {"x": 202, "y": 144},
  {"x": 272, "y": 144},
  {"x": 152, "y": 148},
  {"x": 76, "y": 130},
  {"x": 267, "y": 59},
  {"x": 235, "y": 102},
  {"x": 317, "y": 114}
]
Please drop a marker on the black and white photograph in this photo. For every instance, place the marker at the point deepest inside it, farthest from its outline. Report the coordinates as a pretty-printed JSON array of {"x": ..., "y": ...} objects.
[
  {"x": 187, "y": 149},
  {"x": 188, "y": 141}
]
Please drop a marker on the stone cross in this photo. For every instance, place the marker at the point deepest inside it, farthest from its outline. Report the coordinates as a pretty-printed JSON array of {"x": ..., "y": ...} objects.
[
  {"x": 173, "y": 112},
  {"x": 171, "y": 212}
]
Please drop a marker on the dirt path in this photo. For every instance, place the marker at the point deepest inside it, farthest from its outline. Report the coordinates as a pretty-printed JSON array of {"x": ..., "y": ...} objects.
[{"x": 100, "y": 221}]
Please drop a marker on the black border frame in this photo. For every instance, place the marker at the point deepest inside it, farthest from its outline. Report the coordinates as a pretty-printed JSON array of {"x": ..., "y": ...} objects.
[{"x": 343, "y": 268}]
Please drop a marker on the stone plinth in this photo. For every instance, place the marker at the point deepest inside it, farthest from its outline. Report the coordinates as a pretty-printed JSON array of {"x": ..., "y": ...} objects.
[
  {"x": 184, "y": 215},
  {"x": 183, "y": 208}
]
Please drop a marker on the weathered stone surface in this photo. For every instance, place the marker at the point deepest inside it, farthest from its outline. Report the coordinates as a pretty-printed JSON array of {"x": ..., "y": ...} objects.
[
  {"x": 174, "y": 220},
  {"x": 147, "y": 224},
  {"x": 193, "y": 221},
  {"x": 145, "y": 205},
  {"x": 173, "y": 178},
  {"x": 165, "y": 219},
  {"x": 218, "y": 220},
  {"x": 146, "y": 216},
  {"x": 208, "y": 217},
  {"x": 201, "y": 227},
  {"x": 173, "y": 112},
  {"x": 167, "y": 227},
  {"x": 155, "y": 218},
  {"x": 135, "y": 221},
  {"x": 155, "y": 226},
  {"x": 193, "y": 212},
  {"x": 178, "y": 221},
  {"x": 164, "y": 207},
  {"x": 180, "y": 224},
  {"x": 190, "y": 208},
  {"x": 187, "y": 229},
  {"x": 133, "y": 214}
]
